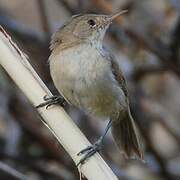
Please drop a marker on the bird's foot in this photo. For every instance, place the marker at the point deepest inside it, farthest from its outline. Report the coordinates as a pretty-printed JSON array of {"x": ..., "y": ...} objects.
[
  {"x": 49, "y": 101},
  {"x": 90, "y": 151}
]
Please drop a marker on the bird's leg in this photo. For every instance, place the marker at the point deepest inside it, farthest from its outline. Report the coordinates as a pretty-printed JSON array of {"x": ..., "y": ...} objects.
[
  {"x": 49, "y": 101},
  {"x": 96, "y": 147}
]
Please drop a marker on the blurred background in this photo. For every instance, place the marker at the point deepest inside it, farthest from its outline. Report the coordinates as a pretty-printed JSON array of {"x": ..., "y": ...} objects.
[{"x": 146, "y": 43}]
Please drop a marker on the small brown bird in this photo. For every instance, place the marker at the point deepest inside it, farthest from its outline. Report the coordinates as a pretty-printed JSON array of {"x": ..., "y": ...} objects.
[{"x": 89, "y": 78}]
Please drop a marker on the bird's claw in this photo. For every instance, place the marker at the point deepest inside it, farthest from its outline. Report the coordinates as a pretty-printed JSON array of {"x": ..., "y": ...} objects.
[
  {"x": 49, "y": 101},
  {"x": 89, "y": 151}
]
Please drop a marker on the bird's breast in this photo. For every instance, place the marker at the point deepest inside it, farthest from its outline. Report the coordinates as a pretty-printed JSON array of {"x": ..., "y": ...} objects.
[{"x": 85, "y": 79}]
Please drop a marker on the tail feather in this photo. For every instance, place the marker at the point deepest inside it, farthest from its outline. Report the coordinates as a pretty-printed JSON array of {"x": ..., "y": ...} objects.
[{"x": 126, "y": 136}]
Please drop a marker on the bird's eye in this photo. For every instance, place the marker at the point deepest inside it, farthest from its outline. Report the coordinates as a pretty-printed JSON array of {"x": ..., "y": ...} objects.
[{"x": 91, "y": 22}]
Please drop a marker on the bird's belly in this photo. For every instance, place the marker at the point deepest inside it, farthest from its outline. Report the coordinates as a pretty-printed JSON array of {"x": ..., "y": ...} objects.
[
  {"x": 89, "y": 86},
  {"x": 99, "y": 100}
]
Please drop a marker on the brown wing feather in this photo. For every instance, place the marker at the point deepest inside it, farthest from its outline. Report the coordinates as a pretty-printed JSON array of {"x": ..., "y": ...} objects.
[
  {"x": 124, "y": 131},
  {"x": 118, "y": 74}
]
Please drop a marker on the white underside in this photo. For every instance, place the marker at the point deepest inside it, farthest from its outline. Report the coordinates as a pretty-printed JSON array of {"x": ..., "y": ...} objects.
[{"x": 84, "y": 77}]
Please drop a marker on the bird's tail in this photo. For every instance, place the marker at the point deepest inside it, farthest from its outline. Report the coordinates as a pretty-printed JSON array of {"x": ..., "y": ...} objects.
[{"x": 126, "y": 136}]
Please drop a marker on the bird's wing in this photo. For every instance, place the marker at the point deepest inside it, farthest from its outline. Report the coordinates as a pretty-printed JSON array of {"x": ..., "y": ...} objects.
[{"x": 117, "y": 73}]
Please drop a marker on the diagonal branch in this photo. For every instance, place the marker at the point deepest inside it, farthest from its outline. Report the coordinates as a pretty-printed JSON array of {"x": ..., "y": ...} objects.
[{"x": 59, "y": 123}]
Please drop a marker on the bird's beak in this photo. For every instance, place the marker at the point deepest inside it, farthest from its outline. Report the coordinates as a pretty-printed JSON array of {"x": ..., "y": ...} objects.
[
  {"x": 113, "y": 16},
  {"x": 107, "y": 19}
]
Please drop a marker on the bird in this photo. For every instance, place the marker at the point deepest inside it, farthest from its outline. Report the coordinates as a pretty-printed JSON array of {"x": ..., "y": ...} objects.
[{"x": 89, "y": 77}]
